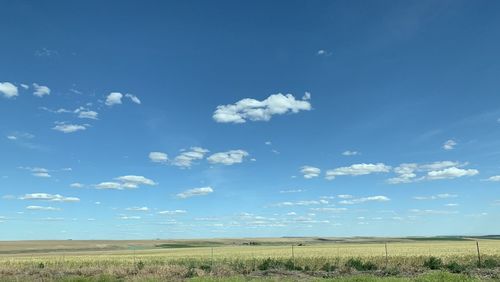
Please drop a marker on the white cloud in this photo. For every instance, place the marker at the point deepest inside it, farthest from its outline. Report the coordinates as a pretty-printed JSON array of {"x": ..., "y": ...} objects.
[
  {"x": 174, "y": 212},
  {"x": 110, "y": 185},
  {"x": 69, "y": 128},
  {"x": 344, "y": 196},
  {"x": 449, "y": 145},
  {"x": 41, "y": 174},
  {"x": 158, "y": 157},
  {"x": 292, "y": 191},
  {"x": 228, "y": 158},
  {"x": 25, "y": 86},
  {"x": 440, "y": 165},
  {"x": 114, "y": 98},
  {"x": 136, "y": 179},
  {"x": 495, "y": 178},
  {"x": 126, "y": 182},
  {"x": 133, "y": 98},
  {"x": 255, "y": 110},
  {"x": 49, "y": 197},
  {"x": 350, "y": 153},
  {"x": 40, "y": 208},
  {"x": 8, "y": 90},
  {"x": 137, "y": 209},
  {"x": 76, "y": 185},
  {"x": 186, "y": 158},
  {"x": 310, "y": 171},
  {"x": 435, "y": 197},
  {"x": 302, "y": 203},
  {"x": 195, "y": 192},
  {"x": 323, "y": 52},
  {"x": 40, "y": 90},
  {"x": 130, "y": 217},
  {"x": 328, "y": 209},
  {"x": 450, "y": 173},
  {"x": 88, "y": 114},
  {"x": 365, "y": 199},
  {"x": 357, "y": 169},
  {"x": 307, "y": 96},
  {"x": 38, "y": 171},
  {"x": 407, "y": 172},
  {"x": 268, "y": 143},
  {"x": 11, "y": 137}
]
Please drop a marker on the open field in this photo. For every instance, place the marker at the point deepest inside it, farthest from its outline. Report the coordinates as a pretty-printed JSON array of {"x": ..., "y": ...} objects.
[{"x": 242, "y": 259}]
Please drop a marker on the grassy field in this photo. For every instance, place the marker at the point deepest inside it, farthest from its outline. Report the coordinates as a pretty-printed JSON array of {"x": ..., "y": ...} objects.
[{"x": 310, "y": 259}]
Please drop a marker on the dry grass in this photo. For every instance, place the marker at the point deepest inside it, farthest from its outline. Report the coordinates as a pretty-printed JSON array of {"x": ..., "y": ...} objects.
[{"x": 56, "y": 260}]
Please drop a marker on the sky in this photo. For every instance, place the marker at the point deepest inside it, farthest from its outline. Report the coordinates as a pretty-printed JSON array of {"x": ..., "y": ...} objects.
[{"x": 202, "y": 119}]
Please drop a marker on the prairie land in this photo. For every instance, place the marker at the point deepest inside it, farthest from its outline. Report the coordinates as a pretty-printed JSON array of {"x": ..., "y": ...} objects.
[{"x": 295, "y": 259}]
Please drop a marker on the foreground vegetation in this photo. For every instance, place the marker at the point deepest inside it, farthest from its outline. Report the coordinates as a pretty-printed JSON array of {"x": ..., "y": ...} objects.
[{"x": 416, "y": 260}]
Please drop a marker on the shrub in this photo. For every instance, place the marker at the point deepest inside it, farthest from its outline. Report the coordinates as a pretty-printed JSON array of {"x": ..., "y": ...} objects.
[
  {"x": 490, "y": 263},
  {"x": 328, "y": 267},
  {"x": 454, "y": 267},
  {"x": 358, "y": 264},
  {"x": 41, "y": 265},
  {"x": 267, "y": 264},
  {"x": 433, "y": 263},
  {"x": 206, "y": 267},
  {"x": 140, "y": 265}
]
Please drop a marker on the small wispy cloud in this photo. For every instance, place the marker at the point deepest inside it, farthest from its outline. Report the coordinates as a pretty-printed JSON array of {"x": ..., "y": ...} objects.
[
  {"x": 195, "y": 192},
  {"x": 310, "y": 171},
  {"x": 449, "y": 145}
]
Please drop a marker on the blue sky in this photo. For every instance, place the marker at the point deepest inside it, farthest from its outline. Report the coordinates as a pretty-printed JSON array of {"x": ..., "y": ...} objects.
[{"x": 178, "y": 119}]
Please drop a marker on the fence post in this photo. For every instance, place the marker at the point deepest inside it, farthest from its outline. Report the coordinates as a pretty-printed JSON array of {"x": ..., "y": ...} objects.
[{"x": 478, "y": 254}]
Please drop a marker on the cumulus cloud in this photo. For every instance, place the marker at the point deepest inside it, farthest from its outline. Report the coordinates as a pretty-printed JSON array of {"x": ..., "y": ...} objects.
[
  {"x": 228, "y": 158},
  {"x": 88, "y": 114},
  {"x": 8, "y": 90},
  {"x": 495, "y": 178},
  {"x": 49, "y": 197},
  {"x": 158, "y": 157},
  {"x": 40, "y": 90},
  {"x": 41, "y": 208},
  {"x": 186, "y": 158},
  {"x": 69, "y": 128},
  {"x": 449, "y": 145},
  {"x": 76, "y": 185},
  {"x": 114, "y": 98},
  {"x": 38, "y": 171},
  {"x": 345, "y": 196},
  {"x": 357, "y": 169},
  {"x": 195, "y": 192},
  {"x": 310, "y": 171},
  {"x": 450, "y": 173},
  {"x": 133, "y": 98},
  {"x": 255, "y": 110},
  {"x": 407, "y": 172},
  {"x": 364, "y": 200},
  {"x": 126, "y": 182}
]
